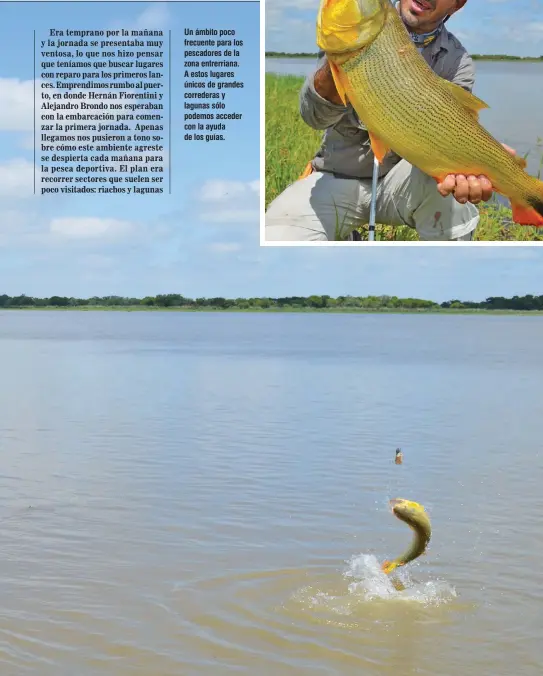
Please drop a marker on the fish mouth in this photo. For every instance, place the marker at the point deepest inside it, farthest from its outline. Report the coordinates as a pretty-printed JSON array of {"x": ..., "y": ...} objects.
[
  {"x": 395, "y": 503},
  {"x": 405, "y": 510}
]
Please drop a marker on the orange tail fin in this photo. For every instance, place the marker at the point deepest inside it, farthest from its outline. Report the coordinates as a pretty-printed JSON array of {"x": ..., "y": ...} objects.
[
  {"x": 388, "y": 566},
  {"x": 529, "y": 214}
]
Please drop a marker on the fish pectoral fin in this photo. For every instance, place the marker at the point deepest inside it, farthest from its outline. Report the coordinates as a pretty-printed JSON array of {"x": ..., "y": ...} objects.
[
  {"x": 521, "y": 161},
  {"x": 468, "y": 100},
  {"x": 339, "y": 85},
  {"x": 380, "y": 149}
]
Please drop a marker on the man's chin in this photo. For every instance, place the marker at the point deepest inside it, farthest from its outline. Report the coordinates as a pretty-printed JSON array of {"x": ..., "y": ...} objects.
[
  {"x": 420, "y": 9},
  {"x": 415, "y": 15}
]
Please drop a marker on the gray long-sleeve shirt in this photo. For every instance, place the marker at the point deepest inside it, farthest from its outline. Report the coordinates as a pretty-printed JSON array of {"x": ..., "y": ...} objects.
[{"x": 345, "y": 149}]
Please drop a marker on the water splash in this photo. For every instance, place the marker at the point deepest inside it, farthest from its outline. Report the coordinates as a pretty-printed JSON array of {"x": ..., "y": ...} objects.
[
  {"x": 370, "y": 583},
  {"x": 365, "y": 587}
]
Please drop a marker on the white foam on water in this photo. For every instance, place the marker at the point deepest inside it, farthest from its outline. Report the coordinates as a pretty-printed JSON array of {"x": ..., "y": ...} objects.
[
  {"x": 370, "y": 582},
  {"x": 364, "y": 585}
]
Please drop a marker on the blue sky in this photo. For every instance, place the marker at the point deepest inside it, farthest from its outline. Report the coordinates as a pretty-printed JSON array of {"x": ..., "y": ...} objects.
[
  {"x": 85, "y": 244},
  {"x": 484, "y": 26},
  {"x": 434, "y": 272}
]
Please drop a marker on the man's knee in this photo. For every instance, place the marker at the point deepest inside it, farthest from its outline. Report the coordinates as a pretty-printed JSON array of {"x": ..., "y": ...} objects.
[
  {"x": 315, "y": 208},
  {"x": 423, "y": 185},
  {"x": 290, "y": 218},
  {"x": 438, "y": 217}
]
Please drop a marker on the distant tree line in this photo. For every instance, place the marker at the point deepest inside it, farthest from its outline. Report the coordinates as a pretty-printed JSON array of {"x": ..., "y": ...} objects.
[
  {"x": 291, "y": 55},
  {"x": 477, "y": 57},
  {"x": 316, "y": 302},
  {"x": 504, "y": 57}
]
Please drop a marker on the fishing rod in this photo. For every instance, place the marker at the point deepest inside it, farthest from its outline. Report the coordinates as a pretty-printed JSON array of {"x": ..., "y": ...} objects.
[{"x": 371, "y": 224}]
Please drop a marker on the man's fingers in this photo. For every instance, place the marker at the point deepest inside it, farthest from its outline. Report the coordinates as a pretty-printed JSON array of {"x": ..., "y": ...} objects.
[
  {"x": 466, "y": 188},
  {"x": 447, "y": 185},
  {"x": 487, "y": 188},
  {"x": 461, "y": 193},
  {"x": 475, "y": 189}
]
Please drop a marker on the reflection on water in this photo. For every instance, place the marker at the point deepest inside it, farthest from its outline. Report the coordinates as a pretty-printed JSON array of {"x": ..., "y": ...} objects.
[
  {"x": 512, "y": 90},
  {"x": 200, "y": 494}
]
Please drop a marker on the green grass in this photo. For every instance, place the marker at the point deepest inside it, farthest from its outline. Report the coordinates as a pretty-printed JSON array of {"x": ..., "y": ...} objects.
[{"x": 290, "y": 144}]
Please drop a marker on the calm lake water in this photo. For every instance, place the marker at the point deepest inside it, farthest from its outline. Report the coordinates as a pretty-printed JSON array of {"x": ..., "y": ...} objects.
[
  {"x": 201, "y": 494},
  {"x": 514, "y": 92}
]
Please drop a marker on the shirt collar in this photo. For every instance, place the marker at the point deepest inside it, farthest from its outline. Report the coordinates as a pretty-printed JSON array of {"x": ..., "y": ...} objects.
[{"x": 441, "y": 42}]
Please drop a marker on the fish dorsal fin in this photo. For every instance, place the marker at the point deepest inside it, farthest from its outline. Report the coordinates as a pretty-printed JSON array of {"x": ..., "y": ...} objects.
[
  {"x": 473, "y": 104},
  {"x": 337, "y": 81}
]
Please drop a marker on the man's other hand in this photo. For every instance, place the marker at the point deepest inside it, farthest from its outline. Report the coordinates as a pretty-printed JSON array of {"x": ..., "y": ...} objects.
[
  {"x": 472, "y": 189},
  {"x": 325, "y": 85}
]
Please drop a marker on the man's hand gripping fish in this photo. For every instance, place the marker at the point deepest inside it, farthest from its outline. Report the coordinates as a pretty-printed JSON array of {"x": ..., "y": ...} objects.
[
  {"x": 415, "y": 516},
  {"x": 407, "y": 108}
]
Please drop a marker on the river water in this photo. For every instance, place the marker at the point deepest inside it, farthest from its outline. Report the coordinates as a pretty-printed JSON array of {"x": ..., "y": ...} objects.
[
  {"x": 200, "y": 494},
  {"x": 513, "y": 91}
]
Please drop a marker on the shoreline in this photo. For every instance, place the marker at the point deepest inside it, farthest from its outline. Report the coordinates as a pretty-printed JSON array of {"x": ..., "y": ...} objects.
[{"x": 360, "y": 310}]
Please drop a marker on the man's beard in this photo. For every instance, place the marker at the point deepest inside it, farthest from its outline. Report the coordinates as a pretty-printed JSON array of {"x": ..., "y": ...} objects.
[{"x": 415, "y": 21}]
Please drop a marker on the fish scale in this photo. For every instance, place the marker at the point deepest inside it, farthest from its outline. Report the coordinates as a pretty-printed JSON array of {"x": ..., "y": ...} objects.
[{"x": 421, "y": 117}]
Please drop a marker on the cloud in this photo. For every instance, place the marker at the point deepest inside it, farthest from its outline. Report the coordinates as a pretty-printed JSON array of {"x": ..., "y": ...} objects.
[
  {"x": 525, "y": 32},
  {"x": 216, "y": 190},
  {"x": 98, "y": 261},
  {"x": 16, "y": 104},
  {"x": 232, "y": 216},
  {"x": 229, "y": 201},
  {"x": 16, "y": 178},
  {"x": 291, "y": 26},
  {"x": 154, "y": 17},
  {"x": 89, "y": 227},
  {"x": 12, "y": 223},
  {"x": 225, "y": 247},
  {"x": 536, "y": 26},
  {"x": 281, "y": 5},
  {"x": 150, "y": 1},
  {"x": 285, "y": 31}
]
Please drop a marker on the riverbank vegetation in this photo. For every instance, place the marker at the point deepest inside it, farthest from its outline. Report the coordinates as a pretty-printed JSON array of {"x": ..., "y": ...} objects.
[
  {"x": 476, "y": 57},
  {"x": 176, "y": 301},
  {"x": 290, "y": 144}
]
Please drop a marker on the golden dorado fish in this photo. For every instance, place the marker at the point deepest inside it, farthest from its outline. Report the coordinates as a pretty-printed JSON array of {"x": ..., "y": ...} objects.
[
  {"x": 415, "y": 516},
  {"x": 407, "y": 108}
]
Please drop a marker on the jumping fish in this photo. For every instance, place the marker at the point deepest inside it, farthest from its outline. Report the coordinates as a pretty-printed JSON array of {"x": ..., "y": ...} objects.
[{"x": 415, "y": 516}]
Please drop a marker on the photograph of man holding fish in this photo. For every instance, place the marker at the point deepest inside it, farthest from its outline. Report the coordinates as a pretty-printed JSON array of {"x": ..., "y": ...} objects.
[{"x": 391, "y": 99}]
